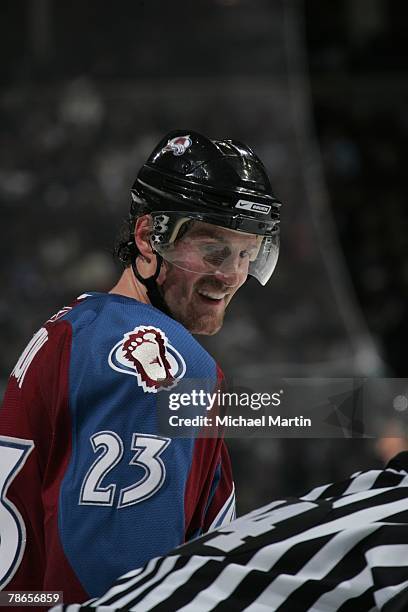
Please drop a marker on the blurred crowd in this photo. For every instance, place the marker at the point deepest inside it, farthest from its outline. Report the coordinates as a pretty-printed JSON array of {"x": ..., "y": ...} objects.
[{"x": 364, "y": 159}]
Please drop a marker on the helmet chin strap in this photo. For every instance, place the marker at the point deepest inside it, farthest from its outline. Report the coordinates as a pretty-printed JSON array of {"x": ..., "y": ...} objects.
[{"x": 153, "y": 293}]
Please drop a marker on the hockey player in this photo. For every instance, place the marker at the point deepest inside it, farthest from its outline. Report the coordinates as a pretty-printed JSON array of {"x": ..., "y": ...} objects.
[{"x": 90, "y": 487}]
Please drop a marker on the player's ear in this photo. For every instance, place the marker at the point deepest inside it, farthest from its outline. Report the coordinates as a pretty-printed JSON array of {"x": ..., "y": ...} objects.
[{"x": 142, "y": 233}]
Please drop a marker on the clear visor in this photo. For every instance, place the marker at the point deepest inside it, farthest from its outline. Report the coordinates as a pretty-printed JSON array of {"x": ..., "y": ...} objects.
[{"x": 204, "y": 248}]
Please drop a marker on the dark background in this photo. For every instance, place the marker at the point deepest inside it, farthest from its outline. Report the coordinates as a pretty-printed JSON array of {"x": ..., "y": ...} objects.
[{"x": 317, "y": 88}]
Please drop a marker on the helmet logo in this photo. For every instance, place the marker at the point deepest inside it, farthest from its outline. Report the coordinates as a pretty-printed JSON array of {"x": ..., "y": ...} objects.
[
  {"x": 259, "y": 208},
  {"x": 160, "y": 227},
  {"x": 160, "y": 224},
  {"x": 178, "y": 145}
]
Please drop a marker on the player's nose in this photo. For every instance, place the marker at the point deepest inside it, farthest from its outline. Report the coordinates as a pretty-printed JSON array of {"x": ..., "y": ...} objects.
[
  {"x": 229, "y": 275},
  {"x": 233, "y": 270}
]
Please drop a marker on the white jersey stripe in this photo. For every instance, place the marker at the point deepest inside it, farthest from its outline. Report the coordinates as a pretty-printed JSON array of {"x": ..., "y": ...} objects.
[
  {"x": 231, "y": 514},
  {"x": 116, "y": 591},
  {"x": 219, "y": 590},
  {"x": 356, "y": 497},
  {"x": 318, "y": 567},
  {"x": 170, "y": 584},
  {"x": 327, "y": 558},
  {"x": 231, "y": 539},
  {"x": 217, "y": 522},
  {"x": 344, "y": 591},
  {"x": 362, "y": 482},
  {"x": 266, "y": 558},
  {"x": 382, "y": 596},
  {"x": 166, "y": 567},
  {"x": 136, "y": 572},
  {"x": 395, "y": 555},
  {"x": 317, "y": 492}
]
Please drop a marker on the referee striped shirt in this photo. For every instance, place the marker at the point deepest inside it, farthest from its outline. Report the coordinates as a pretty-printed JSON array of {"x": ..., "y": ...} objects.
[{"x": 343, "y": 546}]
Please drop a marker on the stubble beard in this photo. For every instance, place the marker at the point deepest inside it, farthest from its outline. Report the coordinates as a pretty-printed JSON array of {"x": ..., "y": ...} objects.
[
  {"x": 187, "y": 312},
  {"x": 206, "y": 324}
]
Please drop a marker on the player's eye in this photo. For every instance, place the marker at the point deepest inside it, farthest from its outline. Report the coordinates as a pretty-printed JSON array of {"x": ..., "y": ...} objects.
[
  {"x": 250, "y": 253},
  {"x": 215, "y": 254}
]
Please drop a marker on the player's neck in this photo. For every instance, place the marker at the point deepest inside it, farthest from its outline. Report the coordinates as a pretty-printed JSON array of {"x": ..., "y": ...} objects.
[{"x": 129, "y": 286}]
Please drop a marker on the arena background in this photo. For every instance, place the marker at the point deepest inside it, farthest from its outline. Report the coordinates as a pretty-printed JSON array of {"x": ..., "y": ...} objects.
[{"x": 317, "y": 88}]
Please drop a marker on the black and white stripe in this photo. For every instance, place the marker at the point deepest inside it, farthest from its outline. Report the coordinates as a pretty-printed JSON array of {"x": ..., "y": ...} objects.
[
  {"x": 343, "y": 546},
  {"x": 227, "y": 512}
]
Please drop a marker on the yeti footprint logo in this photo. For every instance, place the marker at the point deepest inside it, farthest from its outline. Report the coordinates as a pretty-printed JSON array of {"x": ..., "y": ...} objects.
[
  {"x": 145, "y": 349},
  {"x": 146, "y": 353},
  {"x": 178, "y": 145}
]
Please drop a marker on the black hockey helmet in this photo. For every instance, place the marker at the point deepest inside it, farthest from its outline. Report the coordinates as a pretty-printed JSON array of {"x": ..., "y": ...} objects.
[{"x": 190, "y": 178}]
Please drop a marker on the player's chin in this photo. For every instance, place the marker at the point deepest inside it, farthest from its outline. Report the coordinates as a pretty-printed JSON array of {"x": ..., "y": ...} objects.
[
  {"x": 203, "y": 323},
  {"x": 203, "y": 319},
  {"x": 209, "y": 324}
]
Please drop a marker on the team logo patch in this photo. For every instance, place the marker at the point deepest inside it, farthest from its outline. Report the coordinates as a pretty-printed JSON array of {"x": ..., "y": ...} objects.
[
  {"x": 178, "y": 145},
  {"x": 146, "y": 353},
  {"x": 246, "y": 205}
]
